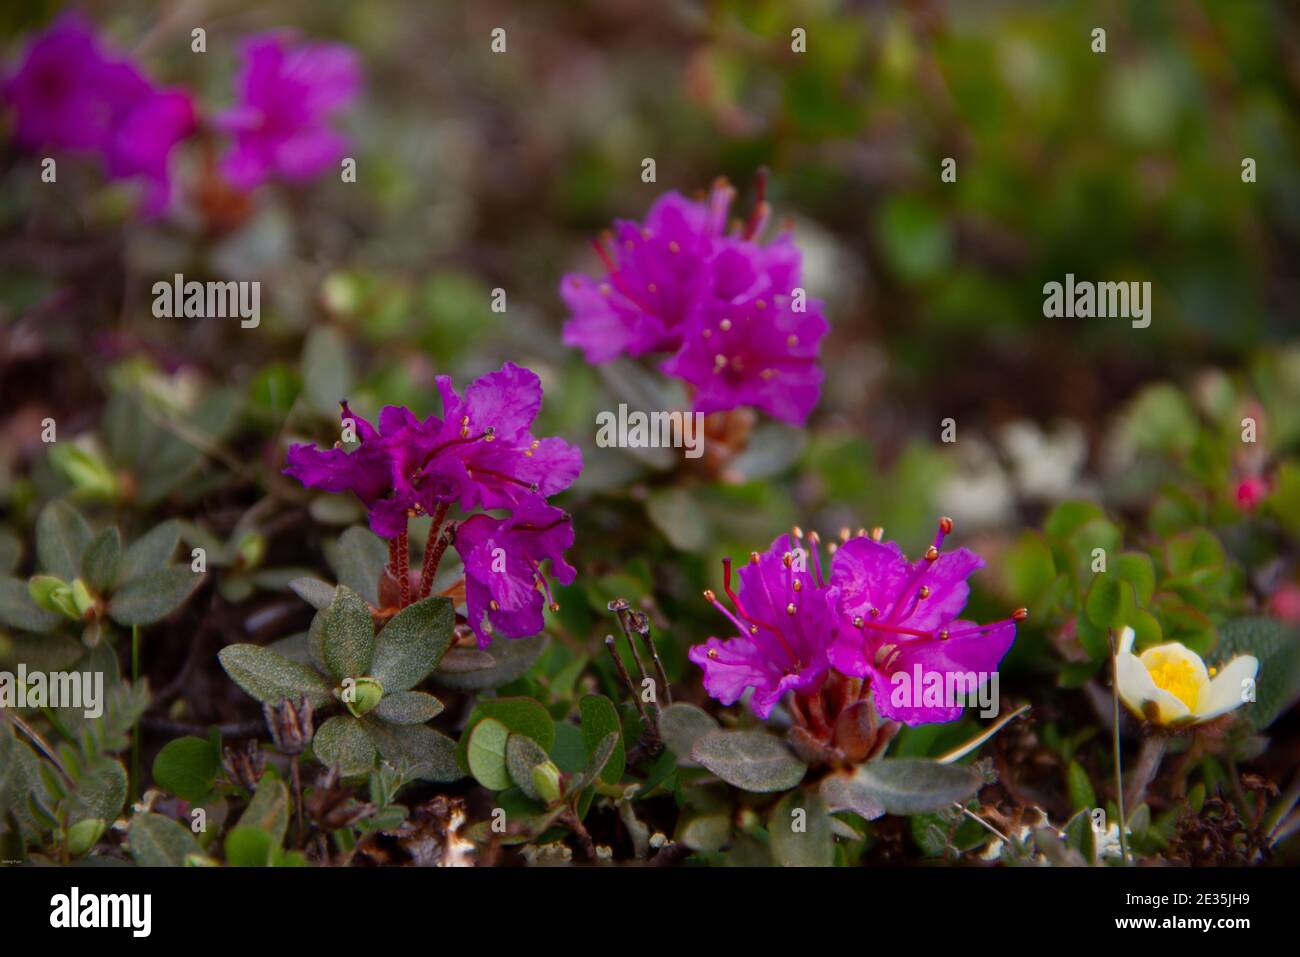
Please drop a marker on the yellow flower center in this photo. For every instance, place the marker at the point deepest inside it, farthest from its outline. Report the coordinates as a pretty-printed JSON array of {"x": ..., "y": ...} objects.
[{"x": 1178, "y": 677}]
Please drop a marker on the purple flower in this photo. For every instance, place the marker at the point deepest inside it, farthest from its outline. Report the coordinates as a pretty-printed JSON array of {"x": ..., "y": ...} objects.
[
  {"x": 287, "y": 95},
  {"x": 655, "y": 279},
  {"x": 480, "y": 454},
  {"x": 785, "y": 620},
  {"x": 898, "y": 622},
  {"x": 69, "y": 94},
  {"x": 504, "y": 580},
  {"x": 730, "y": 307},
  {"x": 486, "y": 456}
]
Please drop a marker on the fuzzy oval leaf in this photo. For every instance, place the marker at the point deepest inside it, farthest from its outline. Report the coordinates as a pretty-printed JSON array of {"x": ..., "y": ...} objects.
[
  {"x": 600, "y": 756},
  {"x": 511, "y": 658},
  {"x": 359, "y": 561},
  {"x": 600, "y": 718},
  {"x": 17, "y": 610},
  {"x": 151, "y": 551},
  {"x": 749, "y": 760},
  {"x": 522, "y": 755},
  {"x": 187, "y": 767},
  {"x": 408, "y": 707},
  {"x": 900, "y": 786},
  {"x": 313, "y": 591},
  {"x": 410, "y": 646},
  {"x": 415, "y": 749},
  {"x": 800, "y": 829},
  {"x": 487, "y": 754},
  {"x": 154, "y": 595},
  {"x": 158, "y": 841},
  {"x": 1276, "y": 645},
  {"x": 268, "y": 811},
  {"x": 270, "y": 678},
  {"x": 102, "y": 560},
  {"x": 347, "y": 635},
  {"x": 681, "y": 725},
  {"x": 61, "y": 539},
  {"x": 343, "y": 743}
]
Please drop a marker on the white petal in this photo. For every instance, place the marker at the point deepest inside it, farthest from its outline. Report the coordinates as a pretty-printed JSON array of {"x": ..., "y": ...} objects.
[
  {"x": 1126, "y": 640},
  {"x": 1136, "y": 689},
  {"x": 1173, "y": 651},
  {"x": 1224, "y": 692}
]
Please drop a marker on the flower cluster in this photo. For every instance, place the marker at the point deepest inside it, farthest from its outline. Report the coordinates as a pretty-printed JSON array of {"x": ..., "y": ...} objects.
[
  {"x": 480, "y": 454},
  {"x": 728, "y": 306},
  {"x": 874, "y": 617},
  {"x": 70, "y": 94},
  {"x": 287, "y": 95}
]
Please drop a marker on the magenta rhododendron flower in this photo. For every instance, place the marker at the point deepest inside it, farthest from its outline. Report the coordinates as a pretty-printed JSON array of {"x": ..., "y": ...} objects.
[
  {"x": 729, "y": 306},
  {"x": 785, "y": 620},
  {"x": 479, "y": 454},
  {"x": 876, "y": 617},
  {"x": 288, "y": 94},
  {"x": 503, "y": 559},
  {"x": 70, "y": 94},
  {"x": 899, "y": 618}
]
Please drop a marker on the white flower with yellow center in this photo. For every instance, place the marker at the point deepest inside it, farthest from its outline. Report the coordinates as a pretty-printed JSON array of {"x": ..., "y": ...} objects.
[{"x": 1170, "y": 685}]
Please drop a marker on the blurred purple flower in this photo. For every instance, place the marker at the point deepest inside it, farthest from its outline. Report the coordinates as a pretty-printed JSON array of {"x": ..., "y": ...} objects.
[
  {"x": 730, "y": 307},
  {"x": 287, "y": 93},
  {"x": 899, "y": 616},
  {"x": 785, "y": 619},
  {"x": 69, "y": 94},
  {"x": 503, "y": 574}
]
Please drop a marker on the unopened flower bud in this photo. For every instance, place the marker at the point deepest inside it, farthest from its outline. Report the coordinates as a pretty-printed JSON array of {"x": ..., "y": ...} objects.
[
  {"x": 362, "y": 696},
  {"x": 53, "y": 594},
  {"x": 83, "y": 465},
  {"x": 546, "y": 779},
  {"x": 83, "y": 835}
]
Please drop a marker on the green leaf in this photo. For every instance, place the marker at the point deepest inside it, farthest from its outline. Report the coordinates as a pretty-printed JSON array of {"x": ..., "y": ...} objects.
[
  {"x": 326, "y": 370},
  {"x": 1138, "y": 570},
  {"x": 600, "y": 718},
  {"x": 410, "y": 646},
  {"x": 158, "y": 841},
  {"x": 800, "y": 829},
  {"x": 268, "y": 811},
  {"x": 101, "y": 790},
  {"x": 248, "y": 846},
  {"x": 154, "y": 595},
  {"x": 17, "y": 610},
  {"x": 313, "y": 591},
  {"x": 749, "y": 760},
  {"x": 1276, "y": 645},
  {"x": 102, "y": 560},
  {"x": 681, "y": 725},
  {"x": 599, "y": 760},
  {"x": 1104, "y": 601},
  {"x": 270, "y": 678},
  {"x": 512, "y": 658},
  {"x": 408, "y": 707},
  {"x": 900, "y": 786},
  {"x": 359, "y": 562},
  {"x": 522, "y": 755},
  {"x": 343, "y": 743},
  {"x": 1067, "y": 517},
  {"x": 684, "y": 523},
  {"x": 417, "y": 750},
  {"x": 347, "y": 635},
  {"x": 151, "y": 551},
  {"x": 1080, "y": 788},
  {"x": 61, "y": 539},
  {"x": 487, "y": 754},
  {"x": 187, "y": 767}
]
